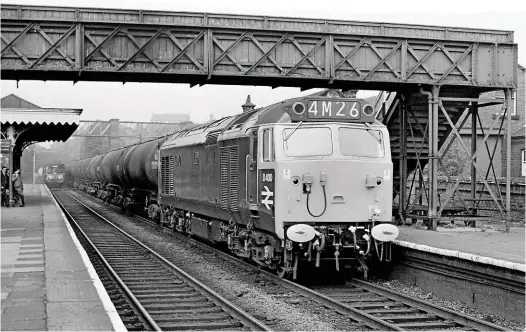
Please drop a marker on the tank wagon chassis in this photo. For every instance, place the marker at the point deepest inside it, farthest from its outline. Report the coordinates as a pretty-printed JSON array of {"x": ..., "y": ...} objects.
[{"x": 303, "y": 182}]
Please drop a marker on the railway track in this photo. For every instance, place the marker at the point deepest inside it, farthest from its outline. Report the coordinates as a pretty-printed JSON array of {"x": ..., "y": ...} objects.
[
  {"x": 161, "y": 295},
  {"x": 370, "y": 304}
]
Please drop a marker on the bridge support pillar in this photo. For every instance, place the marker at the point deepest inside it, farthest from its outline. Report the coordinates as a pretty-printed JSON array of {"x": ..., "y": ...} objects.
[
  {"x": 508, "y": 100},
  {"x": 432, "y": 178},
  {"x": 474, "y": 135},
  {"x": 403, "y": 161}
]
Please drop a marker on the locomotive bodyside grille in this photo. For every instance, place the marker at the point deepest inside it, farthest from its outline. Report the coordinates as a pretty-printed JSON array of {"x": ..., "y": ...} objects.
[
  {"x": 229, "y": 191},
  {"x": 224, "y": 188},
  {"x": 171, "y": 175},
  {"x": 167, "y": 174},
  {"x": 234, "y": 175}
]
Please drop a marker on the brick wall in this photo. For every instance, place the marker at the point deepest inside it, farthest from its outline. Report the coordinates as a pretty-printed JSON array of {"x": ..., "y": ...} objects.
[
  {"x": 517, "y": 145},
  {"x": 521, "y": 100},
  {"x": 517, "y": 129}
]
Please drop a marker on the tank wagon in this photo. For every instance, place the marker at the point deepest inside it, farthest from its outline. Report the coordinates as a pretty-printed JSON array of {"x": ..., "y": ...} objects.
[
  {"x": 304, "y": 181},
  {"x": 53, "y": 175},
  {"x": 126, "y": 177}
]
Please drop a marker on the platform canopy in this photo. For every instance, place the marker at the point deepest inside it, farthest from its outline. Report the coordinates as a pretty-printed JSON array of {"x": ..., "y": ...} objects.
[
  {"x": 29, "y": 126},
  {"x": 22, "y": 127}
]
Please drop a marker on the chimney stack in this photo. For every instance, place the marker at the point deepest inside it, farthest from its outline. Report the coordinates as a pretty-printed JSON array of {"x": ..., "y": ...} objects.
[
  {"x": 349, "y": 93},
  {"x": 248, "y": 106}
]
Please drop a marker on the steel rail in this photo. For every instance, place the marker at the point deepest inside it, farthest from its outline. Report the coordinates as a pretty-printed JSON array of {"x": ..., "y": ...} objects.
[
  {"x": 340, "y": 307},
  {"x": 119, "y": 281},
  {"x": 231, "y": 308},
  {"x": 432, "y": 308}
]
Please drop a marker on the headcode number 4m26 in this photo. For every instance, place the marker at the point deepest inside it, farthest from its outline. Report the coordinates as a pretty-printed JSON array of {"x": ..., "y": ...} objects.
[
  {"x": 267, "y": 177},
  {"x": 327, "y": 110}
]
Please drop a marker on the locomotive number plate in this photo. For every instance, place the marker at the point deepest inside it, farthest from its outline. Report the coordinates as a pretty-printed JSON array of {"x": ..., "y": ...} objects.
[
  {"x": 332, "y": 109},
  {"x": 267, "y": 196}
]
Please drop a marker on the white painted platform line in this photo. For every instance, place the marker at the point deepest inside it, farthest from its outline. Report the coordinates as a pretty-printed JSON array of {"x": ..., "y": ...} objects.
[
  {"x": 115, "y": 319},
  {"x": 463, "y": 255}
]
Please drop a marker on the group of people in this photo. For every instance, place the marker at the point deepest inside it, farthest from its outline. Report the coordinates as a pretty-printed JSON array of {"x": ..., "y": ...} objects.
[{"x": 18, "y": 187}]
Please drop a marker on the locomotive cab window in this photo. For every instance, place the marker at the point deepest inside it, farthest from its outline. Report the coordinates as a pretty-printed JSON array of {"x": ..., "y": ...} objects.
[
  {"x": 268, "y": 145},
  {"x": 307, "y": 142},
  {"x": 361, "y": 142}
]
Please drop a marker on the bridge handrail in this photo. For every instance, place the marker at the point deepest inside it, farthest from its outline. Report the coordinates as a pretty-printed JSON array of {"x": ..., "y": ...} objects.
[{"x": 251, "y": 22}]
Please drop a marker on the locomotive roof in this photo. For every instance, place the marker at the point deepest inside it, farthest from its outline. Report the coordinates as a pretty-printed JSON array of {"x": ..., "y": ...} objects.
[{"x": 236, "y": 125}]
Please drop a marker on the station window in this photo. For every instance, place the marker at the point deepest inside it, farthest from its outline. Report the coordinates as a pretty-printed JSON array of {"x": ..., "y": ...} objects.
[
  {"x": 523, "y": 153},
  {"x": 268, "y": 145},
  {"x": 196, "y": 158}
]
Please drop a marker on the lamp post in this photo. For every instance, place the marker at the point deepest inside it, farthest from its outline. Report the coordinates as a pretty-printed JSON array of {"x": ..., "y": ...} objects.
[{"x": 34, "y": 159}]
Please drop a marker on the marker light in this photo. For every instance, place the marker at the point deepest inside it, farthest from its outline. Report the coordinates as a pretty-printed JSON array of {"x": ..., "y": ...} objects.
[
  {"x": 298, "y": 108},
  {"x": 368, "y": 110}
]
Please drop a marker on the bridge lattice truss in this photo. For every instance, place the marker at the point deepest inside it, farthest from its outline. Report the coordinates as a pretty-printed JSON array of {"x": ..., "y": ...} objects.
[
  {"x": 128, "y": 129},
  {"x": 124, "y": 45}
]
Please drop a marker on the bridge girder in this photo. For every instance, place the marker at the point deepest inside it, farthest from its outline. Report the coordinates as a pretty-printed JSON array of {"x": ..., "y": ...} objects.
[
  {"x": 127, "y": 129},
  {"x": 85, "y": 44}
]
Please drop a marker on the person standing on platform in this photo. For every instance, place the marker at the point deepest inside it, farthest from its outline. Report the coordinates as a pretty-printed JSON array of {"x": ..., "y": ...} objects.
[
  {"x": 18, "y": 186},
  {"x": 5, "y": 187}
]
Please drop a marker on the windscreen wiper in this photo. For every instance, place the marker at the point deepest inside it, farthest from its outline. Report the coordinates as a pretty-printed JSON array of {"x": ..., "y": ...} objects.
[
  {"x": 370, "y": 131},
  {"x": 293, "y": 130}
]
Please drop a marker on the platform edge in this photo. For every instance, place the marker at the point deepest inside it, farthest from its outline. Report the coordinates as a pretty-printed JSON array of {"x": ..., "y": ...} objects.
[
  {"x": 462, "y": 255},
  {"x": 110, "y": 309}
]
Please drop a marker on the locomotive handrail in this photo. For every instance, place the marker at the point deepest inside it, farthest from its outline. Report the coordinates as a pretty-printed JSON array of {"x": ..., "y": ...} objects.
[{"x": 247, "y": 169}]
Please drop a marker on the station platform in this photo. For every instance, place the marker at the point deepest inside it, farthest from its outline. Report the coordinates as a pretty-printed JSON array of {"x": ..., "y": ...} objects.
[
  {"x": 485, "y": 244},
  {"x": 48, "y": 282}
]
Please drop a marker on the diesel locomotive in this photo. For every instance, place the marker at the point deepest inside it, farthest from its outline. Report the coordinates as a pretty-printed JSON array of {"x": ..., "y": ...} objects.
[
  {"x": 53, "y": 175},
  {"x": 304, "y": 181}
]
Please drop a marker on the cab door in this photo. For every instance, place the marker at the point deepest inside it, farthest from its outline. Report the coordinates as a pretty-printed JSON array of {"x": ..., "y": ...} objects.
[{"x": 252, "y": 169}]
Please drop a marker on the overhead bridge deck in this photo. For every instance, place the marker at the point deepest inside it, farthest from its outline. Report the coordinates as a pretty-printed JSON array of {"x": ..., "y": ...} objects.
[
  {"x": 436, "y": 75},
  {"x": 89, "y": 44}
]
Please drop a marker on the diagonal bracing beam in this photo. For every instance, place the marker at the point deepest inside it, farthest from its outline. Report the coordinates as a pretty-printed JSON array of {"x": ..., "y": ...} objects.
[
  {"x": 136, "y": 42},
  {"x": 266, "y": 53},
  {"x": 20, "y": 54},
  {"x": 18, "y": 37},
  {"x": 347, "y": 58},
  {"x": 306, "y": 56},
  {"x": 420, "y": 62},
  {"x": 472, "y": 159},
  {"x": 181, "y": 47},
  {"x": 54, "y": 46},
  {"x": 102, "y": 51},
  {"x": 456, "y": 63},
  {"x": 225, "y": 52},
  {"x": 142, "y": 50},
  {"x": 182, "y": 52},
  {"x": 384, "y": 60},
  {"x": 99, "y": 46}
]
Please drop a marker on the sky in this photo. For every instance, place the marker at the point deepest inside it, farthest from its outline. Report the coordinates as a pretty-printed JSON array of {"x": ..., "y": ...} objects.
[{"x": 137, "y": 101}]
